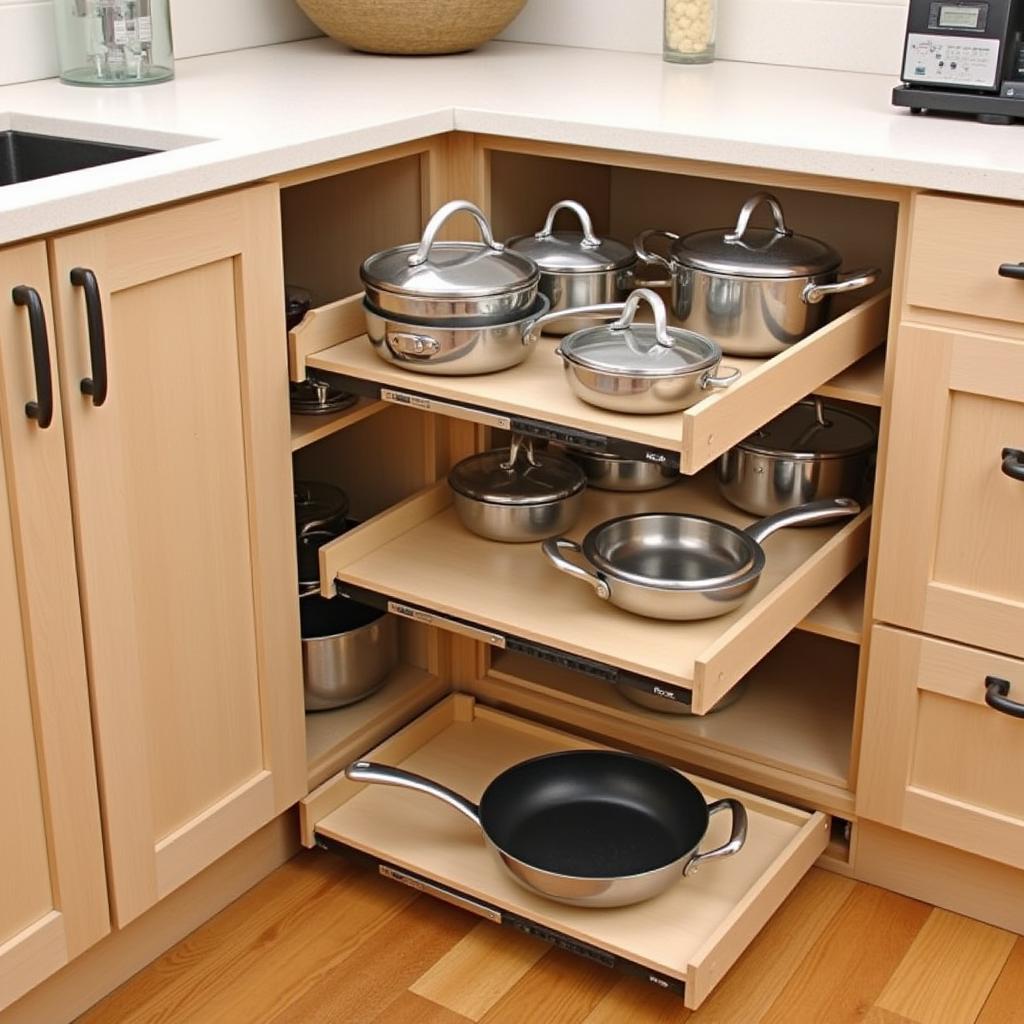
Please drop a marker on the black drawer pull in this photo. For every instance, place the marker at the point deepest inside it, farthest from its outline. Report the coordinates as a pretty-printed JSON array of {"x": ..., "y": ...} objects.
[
  {"x": 41, "y": 410},
  {"x": 997, "y": 696},
  {"x": 1014, "y": 271},
  {"x": 96, "y": 385},
  {"x": 1013, "y": 463}
]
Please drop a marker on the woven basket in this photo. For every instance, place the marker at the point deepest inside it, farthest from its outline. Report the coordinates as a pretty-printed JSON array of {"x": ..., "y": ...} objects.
[{"x": 412, "y": 26}]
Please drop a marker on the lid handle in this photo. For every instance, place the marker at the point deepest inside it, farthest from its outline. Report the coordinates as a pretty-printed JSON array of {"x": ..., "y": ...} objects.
[
  {"x": 520, "y": 444},
  {"x": 434, "y": 225},
  {"x": 747, "y": 212},
  {"x": 590, "y": 240},
  {"x": 653, "y": 299}
]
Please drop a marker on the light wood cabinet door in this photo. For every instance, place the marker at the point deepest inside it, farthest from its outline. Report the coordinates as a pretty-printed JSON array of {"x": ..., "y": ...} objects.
[
  {"x": 936, "y": 759},
  {"x": 181, "y": 481},
  {"x": 53, "y": 896},
  {"x": 951, "y": 561}
]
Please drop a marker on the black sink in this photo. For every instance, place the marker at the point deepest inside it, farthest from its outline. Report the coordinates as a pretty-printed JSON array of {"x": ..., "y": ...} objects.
[{"x": 25, "y": 156}]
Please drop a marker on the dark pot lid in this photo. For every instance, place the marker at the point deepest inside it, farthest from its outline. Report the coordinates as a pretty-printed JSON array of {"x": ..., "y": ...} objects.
[
  {"x": 318, "y": 503},
  {"x": 450, "y": 270},
  {"x": 744, "y": 251},
  {"x": 502, "y": 477},
  {"x": 799, "y": 433},
  {"x": 641, "y": 350},
  {"x": 572, "y": 252}
]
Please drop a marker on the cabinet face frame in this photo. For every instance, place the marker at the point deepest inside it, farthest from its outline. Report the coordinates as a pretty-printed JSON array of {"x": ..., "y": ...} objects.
[
  {"x": 43, "y": 595},
  {"x": 927, "y": 488},
  {"x": 910, "y": 720},
  {"x": 227, "y": 247}
]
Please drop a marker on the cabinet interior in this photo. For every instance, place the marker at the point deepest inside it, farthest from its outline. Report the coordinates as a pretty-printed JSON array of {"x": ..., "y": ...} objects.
[{"x": 795, "y": 730}]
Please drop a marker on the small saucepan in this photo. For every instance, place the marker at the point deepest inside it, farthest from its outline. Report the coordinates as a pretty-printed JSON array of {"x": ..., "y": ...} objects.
[
  {"x": 517, "y": 495},
  {"x": 669, "y": 565},
  {"x": 591, "y": 828}
]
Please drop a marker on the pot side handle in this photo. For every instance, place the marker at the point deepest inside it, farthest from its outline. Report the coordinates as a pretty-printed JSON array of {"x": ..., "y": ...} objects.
[
  {"x": 385, "y": 775},
  {"x": 553, "y": 549},
  {"x": 736, "y": 839},
  {"x": 646, "y": 255},
  {"x": 811, "y": 514},
  {"x": 850, "y": 282}
]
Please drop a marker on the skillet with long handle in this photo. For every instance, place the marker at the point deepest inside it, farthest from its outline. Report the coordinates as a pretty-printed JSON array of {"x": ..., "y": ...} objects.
[{"x": 591, "y": 828}]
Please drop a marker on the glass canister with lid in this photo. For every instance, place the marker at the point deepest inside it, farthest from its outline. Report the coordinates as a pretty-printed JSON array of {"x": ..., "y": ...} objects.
[
  {"x": 114, "y": 42},
  {"x": 690, "y": 28}
]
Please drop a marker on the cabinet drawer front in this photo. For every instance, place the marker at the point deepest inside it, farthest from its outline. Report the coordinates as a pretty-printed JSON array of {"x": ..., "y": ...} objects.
[
  {"x": 956, "y": 249},
  {"x": 692, "y": 933},
  {"x": 949, "y": 561},
  {"x": 937, "y": 760}
]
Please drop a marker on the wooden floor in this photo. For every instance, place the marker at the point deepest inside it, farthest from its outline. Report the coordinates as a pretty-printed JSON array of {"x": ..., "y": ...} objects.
[{"x": 323, "y": 941}]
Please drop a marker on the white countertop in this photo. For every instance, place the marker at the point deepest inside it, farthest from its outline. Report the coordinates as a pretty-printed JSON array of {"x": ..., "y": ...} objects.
[{"x": 273, "y": 109}]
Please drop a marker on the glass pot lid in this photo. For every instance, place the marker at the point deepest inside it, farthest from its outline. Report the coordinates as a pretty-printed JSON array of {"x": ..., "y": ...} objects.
[
  {"x": 641, "y": 350},
  {"x": 517, "y": 476},
  {"x": 812, "y": 429},
  {"x": 744, "y": 251},
  {"x": 572, "y": 252},
  {"x": 450, "y": 270}
]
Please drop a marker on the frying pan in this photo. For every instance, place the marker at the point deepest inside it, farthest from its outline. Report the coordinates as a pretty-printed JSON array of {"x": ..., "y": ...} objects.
[
  {"x": 669, "y": 565},
  {"x": 591, "y": 828}
]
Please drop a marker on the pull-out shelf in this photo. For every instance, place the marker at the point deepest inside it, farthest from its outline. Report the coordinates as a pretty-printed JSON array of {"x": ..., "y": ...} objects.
[
  {"x": 419, "y": 561},
  {"x": 534, "y": 397},
  {"x": 686, "y": 939}
]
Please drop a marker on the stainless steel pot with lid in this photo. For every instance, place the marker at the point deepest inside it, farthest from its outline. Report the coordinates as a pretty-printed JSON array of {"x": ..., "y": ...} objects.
[
  {"x": 755, "y": 290},
  {"x": 811, "y": 451},
  {"x": 576, "y": 267},
  {"x": 433, "y": 280},
  {"x": 517, "y": 495},
  {"x": 634, "y": 367}
]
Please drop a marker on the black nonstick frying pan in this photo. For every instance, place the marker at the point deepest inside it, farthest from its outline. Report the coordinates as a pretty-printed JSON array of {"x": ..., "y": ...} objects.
[{"x": 591, "y": 828}]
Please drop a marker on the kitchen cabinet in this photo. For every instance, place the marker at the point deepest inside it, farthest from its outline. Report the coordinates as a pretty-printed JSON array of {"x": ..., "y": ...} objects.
[
  {"x": 948, "y": 563},
  {"x": 170, "y": 336},
  {"x": 938, "y": 760},
  {"x": 53, "y": 896}
]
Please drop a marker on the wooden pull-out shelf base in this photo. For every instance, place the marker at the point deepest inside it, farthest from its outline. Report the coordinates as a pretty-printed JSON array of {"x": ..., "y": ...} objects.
[
  {"x": 691, "y": 934},
  {"x": 419, "y": 553}
]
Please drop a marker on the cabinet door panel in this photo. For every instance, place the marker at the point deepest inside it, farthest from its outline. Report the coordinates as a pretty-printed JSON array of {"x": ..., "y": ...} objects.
[
  {"x": 950, "y": 562},
  {"x": 182, "y": 490},
  {"x": 53, "y": 898},
  {"x": 936, "y": 760}
]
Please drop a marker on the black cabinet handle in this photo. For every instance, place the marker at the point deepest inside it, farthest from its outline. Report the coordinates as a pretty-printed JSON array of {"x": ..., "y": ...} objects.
[
  {"x": 996, "y": 696},
  {"x": 96, "y": 385},
  {"x": 1013, "y": 463},
  {"x": 1015, "y": 271},
  {"x": 41, "y": 410}
]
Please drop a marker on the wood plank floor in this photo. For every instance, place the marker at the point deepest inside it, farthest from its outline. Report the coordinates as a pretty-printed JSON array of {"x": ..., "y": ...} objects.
[{"x": 324, "y": 941}]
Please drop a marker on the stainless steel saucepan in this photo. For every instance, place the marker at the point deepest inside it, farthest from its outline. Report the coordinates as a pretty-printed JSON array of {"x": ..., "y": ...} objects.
[
  {"x": 670, "y": 565},
  {"x": 591, "y": 828}
]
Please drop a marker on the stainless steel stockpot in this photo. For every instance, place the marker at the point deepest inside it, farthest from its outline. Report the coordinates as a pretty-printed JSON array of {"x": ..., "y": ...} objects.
[
  {"x": 670, "y": 565},
  {"x": 557, "y": 823},
  {"x": 608, "y": 472},
  {"x": 446, "y": 281},
  {"x": 517, "y": 495},
  {"x": 348, "y": 650},
  {"x": 639, "y": 368},
  {"x": 811, "y": 451},
  {"x": 576, "y": 267},
  {"x": 756, "y": 291},
  {"x": 456, "y": 348}
]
